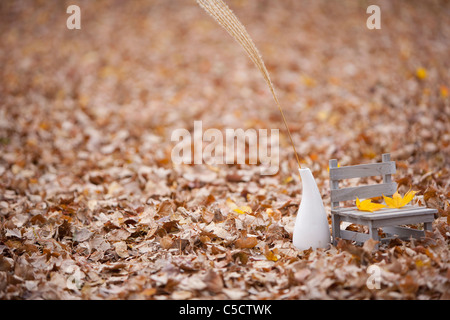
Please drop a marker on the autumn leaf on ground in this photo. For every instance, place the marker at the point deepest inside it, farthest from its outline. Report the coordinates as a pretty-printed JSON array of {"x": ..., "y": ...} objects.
[
  {"x": 288, "y": 179},
  {"x": 241, "y": 210},
  {"x": 271, "y": 255},
  {"x": 92, "y": 206},
  {"x": 397, "y": 201},
  {"x": 166, "y": 242},
  {"x": 121, "y": 249},
  {"x": 421, "y": 73},
  {"x": 246, "y": 243},
  {"x": 444, "y": 91},
  {"x": 368, "y": 205},
  {"x": 275, "y": 214}
]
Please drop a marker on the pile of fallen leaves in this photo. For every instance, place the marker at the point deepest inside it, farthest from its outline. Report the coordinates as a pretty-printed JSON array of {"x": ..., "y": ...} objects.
[{"x": 91, "y": 205}]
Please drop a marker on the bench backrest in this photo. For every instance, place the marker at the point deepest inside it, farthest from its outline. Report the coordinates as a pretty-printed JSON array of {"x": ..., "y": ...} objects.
[{"x": 385, "y": 169}]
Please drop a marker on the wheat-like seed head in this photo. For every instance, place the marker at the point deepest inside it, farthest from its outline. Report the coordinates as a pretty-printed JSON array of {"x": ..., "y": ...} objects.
[{"x": 226, "y": 18}]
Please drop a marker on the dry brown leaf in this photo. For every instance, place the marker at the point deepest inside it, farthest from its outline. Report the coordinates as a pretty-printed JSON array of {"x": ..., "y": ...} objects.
[
  {"x": 85, "y": 147},
  {"x": 166, "y": 242},
  {"x": 207, "y": 216},
  {"x": 369, "y": 245},
  {"x": 213, "y": 281},
  {"x": 408, "y": 285},
  {"x": 302, "y": 274},
  {"x": 246, "y": 243},
  {"x": 121, "y": 249}
]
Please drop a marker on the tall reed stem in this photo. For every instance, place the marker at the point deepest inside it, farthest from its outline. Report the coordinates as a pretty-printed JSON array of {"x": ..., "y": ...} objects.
[{"x": 226, "y": 18}]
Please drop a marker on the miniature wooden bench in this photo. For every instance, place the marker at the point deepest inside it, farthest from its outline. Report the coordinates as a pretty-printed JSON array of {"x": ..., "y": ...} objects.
[{"x": 390, "y": 220}]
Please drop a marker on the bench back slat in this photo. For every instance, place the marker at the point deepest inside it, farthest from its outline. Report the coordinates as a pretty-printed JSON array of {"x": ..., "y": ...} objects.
[
  {"x": 384, "y": 169},
  {"x": 363, "y": 192},
  {"x": 363, "y": 170}
]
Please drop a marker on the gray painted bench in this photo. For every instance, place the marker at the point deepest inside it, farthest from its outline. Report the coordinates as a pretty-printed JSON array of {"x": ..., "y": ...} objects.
[{"x": 390, "y": 220}]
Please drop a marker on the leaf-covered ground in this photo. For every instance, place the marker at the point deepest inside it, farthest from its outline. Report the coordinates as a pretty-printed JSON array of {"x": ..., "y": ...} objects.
[{"x": 92, "y": 207}]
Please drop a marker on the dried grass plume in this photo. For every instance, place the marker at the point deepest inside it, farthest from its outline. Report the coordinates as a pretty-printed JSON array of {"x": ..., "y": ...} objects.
[{"x": 226, "y": 18}]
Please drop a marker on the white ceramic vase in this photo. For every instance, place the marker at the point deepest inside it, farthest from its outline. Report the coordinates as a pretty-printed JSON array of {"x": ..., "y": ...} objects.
[{"x": 311, "y": 226}]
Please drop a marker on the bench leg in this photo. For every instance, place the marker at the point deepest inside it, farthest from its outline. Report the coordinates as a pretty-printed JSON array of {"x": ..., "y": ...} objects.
[
  {"x": 427, "y": 226},
  {"x": 373, "y": 232},
  {"x": 336, "y": 221}
]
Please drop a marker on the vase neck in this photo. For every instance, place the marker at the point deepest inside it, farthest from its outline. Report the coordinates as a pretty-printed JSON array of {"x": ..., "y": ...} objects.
[{"x": 308, "y": 183}]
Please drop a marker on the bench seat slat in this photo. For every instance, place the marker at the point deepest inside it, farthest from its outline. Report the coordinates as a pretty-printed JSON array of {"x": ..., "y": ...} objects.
[
  {"x": 385, "y": 213},
  {"x": 363, "y": 170},
  {"x": 363, "y": 192}
]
